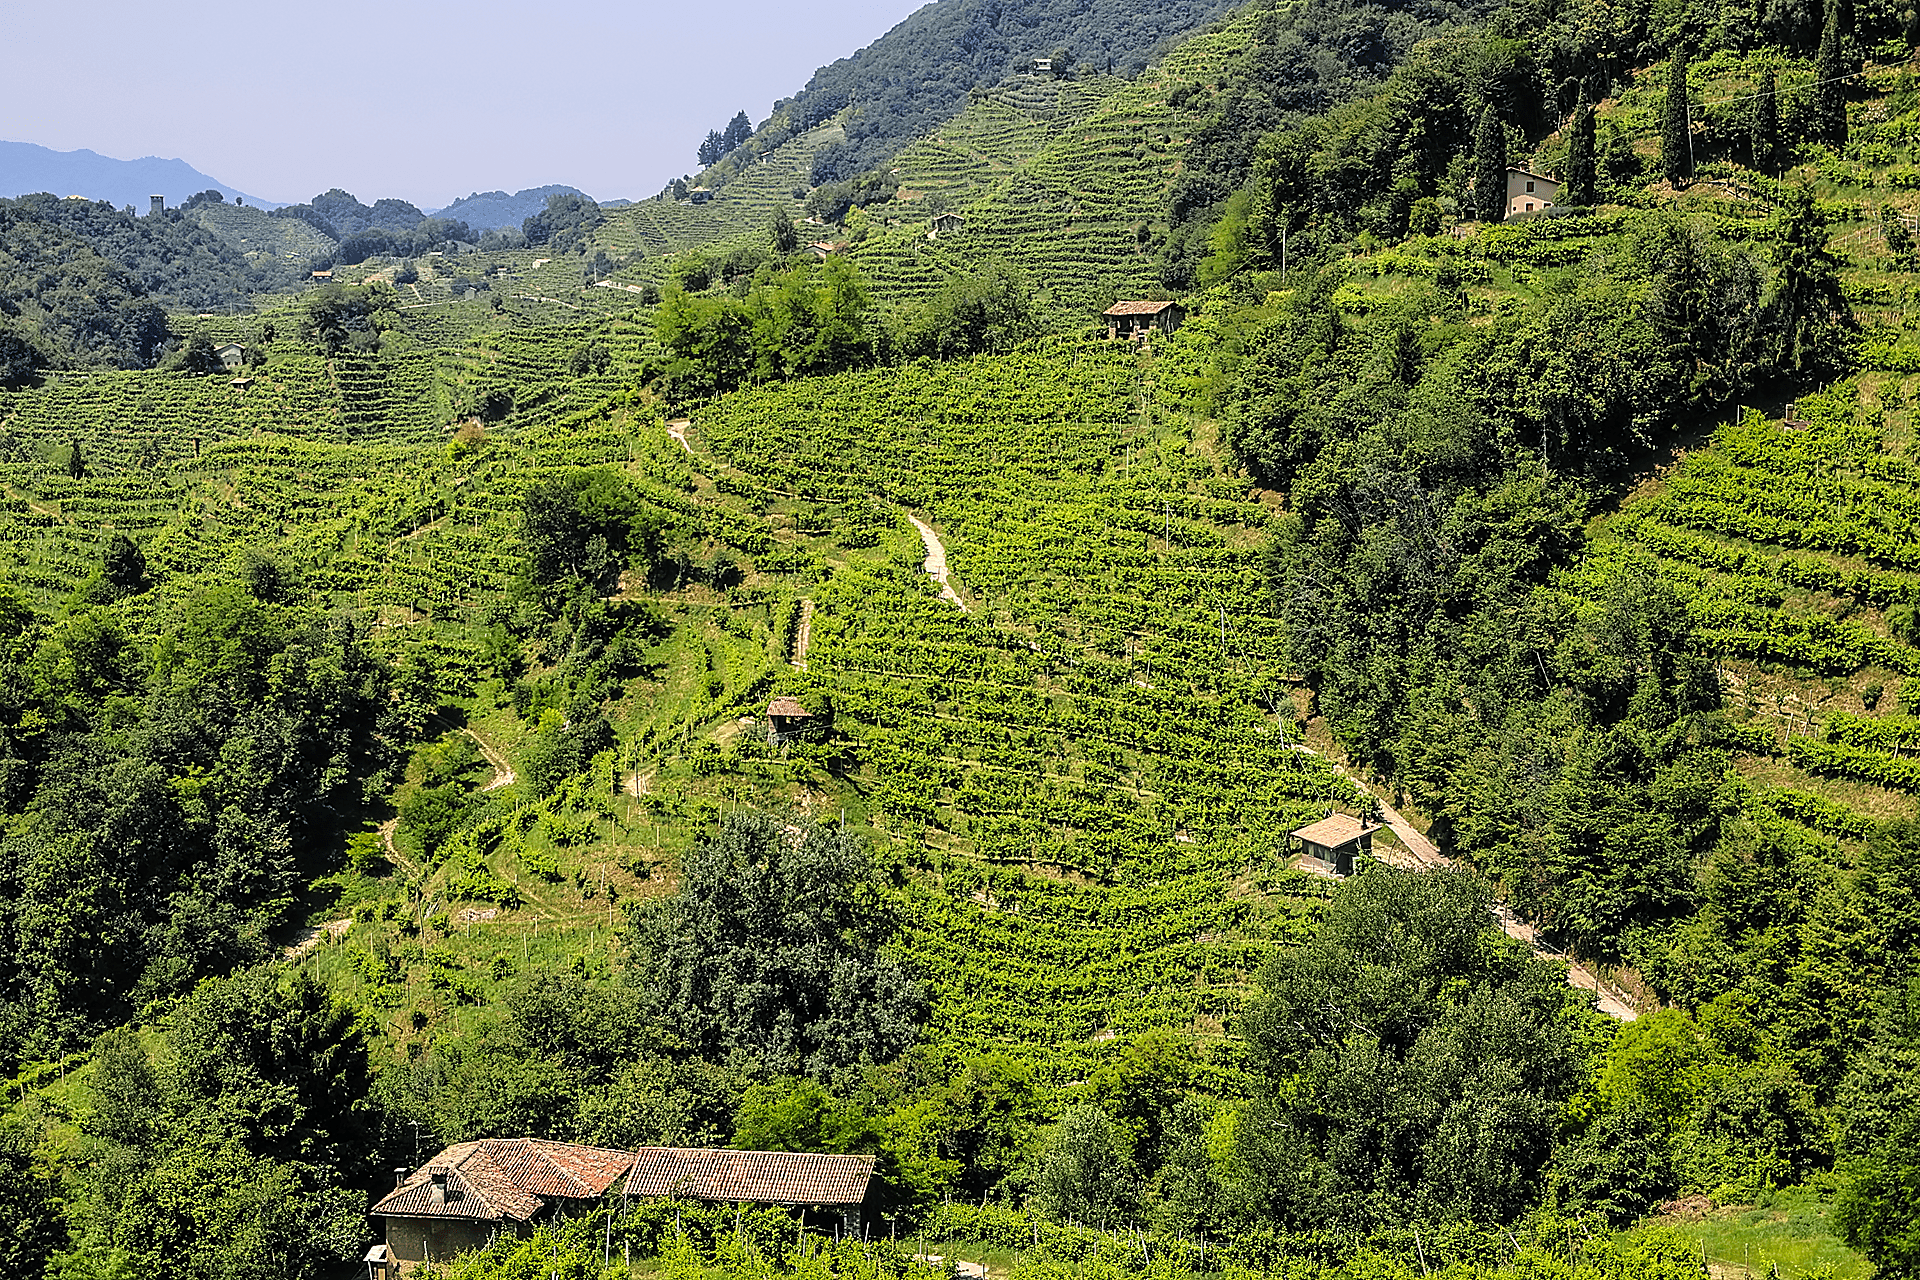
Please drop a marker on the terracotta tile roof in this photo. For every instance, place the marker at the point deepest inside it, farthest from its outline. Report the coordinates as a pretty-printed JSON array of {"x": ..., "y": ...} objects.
[
  {"x": 1136, "y": 308},
  {"x": 497, "y": 1178},
  {"x": 1334, "y": 830},
  {"x": 763, "y": 1177},
  {"x": 788, "y": 707}
]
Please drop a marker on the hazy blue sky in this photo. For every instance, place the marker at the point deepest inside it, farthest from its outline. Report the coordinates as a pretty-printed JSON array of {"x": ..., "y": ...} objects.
[{"x": 417, "y": 99}]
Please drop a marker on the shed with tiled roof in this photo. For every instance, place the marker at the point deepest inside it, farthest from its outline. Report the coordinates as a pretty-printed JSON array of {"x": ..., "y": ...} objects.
[
  {"x": 788, "y": 718},
  {"x": 795, "y": 1178},
  {"x": 1138, "y": 319},
  {"x": 472, "y": 1191},
  {"x": 1337, "y": 840}
]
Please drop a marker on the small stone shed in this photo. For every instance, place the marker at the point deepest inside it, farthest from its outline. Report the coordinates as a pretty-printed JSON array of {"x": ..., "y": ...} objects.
[
  {"x": 788, "y": 719},
  {"x": 793, "y": 1179},
  {"x": 1138, "y": 319},
  {"x": 946, "y": 224},
  {"x": 474, "y": 1191},
  {"x": 1336, "y": 840}
]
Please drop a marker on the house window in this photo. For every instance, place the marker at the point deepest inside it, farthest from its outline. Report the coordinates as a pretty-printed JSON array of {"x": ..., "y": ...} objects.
[
  {"x": 1529, "y": 188},
  {"x": 1529, "y": 206}
]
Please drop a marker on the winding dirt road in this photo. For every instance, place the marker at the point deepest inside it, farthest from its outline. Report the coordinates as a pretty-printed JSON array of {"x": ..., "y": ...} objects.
[
  {"x": 678, "y": 430},
  {"x": 937, "y": 561},
  {"x": 1424, "y": 853},
  {"x": 502, "y": 768}
]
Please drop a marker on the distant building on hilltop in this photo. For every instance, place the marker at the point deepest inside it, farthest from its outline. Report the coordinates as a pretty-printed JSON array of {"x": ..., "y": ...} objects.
[
  {"x": 231, "y": 354},
  {"x": 946, "y": 224},
  {"x": 1137, "y": 319},
  {"x": 1529, "y": 192},
  {"x": 1043, "y": 66},
  {"x": 156, "y": 204}
]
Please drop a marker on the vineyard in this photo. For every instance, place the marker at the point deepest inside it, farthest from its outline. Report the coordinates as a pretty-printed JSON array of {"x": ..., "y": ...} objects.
[{"x": 1796, "y": 546}]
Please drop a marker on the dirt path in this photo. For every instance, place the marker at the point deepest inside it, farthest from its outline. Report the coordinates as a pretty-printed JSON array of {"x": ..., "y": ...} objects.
[
  {"x": 804, "y": 635},
  {"x": 502, "y": 768},
  {"x": 311, "y": 938},
  {"x": 936, "y": 561},
  {"x": 1424, "y": 853},
  {"x": 678, "y": 430}
]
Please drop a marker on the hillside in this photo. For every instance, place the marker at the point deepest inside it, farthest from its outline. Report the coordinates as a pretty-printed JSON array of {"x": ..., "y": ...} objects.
[
  {"x": 878, "y": 706},
  {"x": 257, "y": 235},
  {"x": 919, "y": 74},
  {"x": 485, "y": 210}
]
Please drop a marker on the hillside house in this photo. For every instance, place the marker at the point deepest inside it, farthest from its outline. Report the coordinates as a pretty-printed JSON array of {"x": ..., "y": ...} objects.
[
  {"x": 824, "y": 249},
  {"x": 1138, "y": 319},
  {"x": 1529, "y": 192},
  {"x": 945, "y": 224},
  {"x": 834, "y": 1185},
  {"x": 322, "y": 276},
  {"x": 475, "y": 1191},
  {"x": 1336, "y": 840},
  {"x": 231, "y": 354},
  {"x": 1043, "y": 66}
]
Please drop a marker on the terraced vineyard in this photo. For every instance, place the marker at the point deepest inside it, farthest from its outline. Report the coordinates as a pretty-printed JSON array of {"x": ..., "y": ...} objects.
[
  {"x": 1073, "y": 211},
  {"x": 1796, "y": 544},
  {"x": 1086, "y": 748}
]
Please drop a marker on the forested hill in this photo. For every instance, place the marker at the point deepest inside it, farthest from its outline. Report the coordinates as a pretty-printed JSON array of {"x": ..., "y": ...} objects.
[
  {"x": 87, "y": 285},
  {"x": 921, "y": 72}
]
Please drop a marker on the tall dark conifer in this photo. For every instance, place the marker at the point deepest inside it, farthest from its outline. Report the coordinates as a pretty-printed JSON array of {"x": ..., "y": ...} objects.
[
  {"x": 1580, "y": 154},
  {"x": 1490, "y": 167},
  {"x": 1829, "y": 98},
  {"x": 1766, "y": 128},
  {"x": 1676, "y": 155}
]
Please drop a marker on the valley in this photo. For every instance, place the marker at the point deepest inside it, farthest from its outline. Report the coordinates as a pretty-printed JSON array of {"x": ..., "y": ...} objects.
[{"x": 768, "y": 674}]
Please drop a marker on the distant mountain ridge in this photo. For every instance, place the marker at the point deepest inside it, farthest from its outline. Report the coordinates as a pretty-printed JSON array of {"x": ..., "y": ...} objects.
[
  {"x": 488, "y": 210},
  {"x": 27, "y": 168}
]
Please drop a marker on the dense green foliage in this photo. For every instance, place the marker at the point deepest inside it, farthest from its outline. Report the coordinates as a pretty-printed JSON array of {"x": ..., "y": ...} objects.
[{"x": 771, "y": 950}]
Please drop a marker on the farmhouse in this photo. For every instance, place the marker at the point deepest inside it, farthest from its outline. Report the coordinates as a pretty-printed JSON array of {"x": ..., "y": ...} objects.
[
  {"x": 1138, "y": 319},
  {"x": 1529, "y": 192},
  {"x": 946, "y": 224},
  {"x": 824, "y": 249},
  {"x": 323, "y": 275},
  {"x": 795, "y": 1179},
  {"x": 475, "y": 1191},
  {"x": 232, "y": 355},
  {"x": 1336, "y": 840},
  {"x": 1043, "y": 66}
]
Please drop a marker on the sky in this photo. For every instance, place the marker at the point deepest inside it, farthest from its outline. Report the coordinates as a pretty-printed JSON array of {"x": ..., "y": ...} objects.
[{"x": 418, "y": 100}]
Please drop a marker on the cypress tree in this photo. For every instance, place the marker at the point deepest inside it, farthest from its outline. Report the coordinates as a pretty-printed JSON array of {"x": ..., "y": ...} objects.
[
  {"x": 1490, "y": 168},
  {"x": 1580, "y": 155},
  {"x": 1766, "y": 128},
  {"x": 1676, "y": 159},
  {"x": 1829, "y": 103}
]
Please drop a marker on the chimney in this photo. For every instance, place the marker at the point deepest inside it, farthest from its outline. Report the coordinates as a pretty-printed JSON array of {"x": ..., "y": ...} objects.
[
  {"x": 400, "y": 1176},
  {"x": 156, "y": 204}
]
